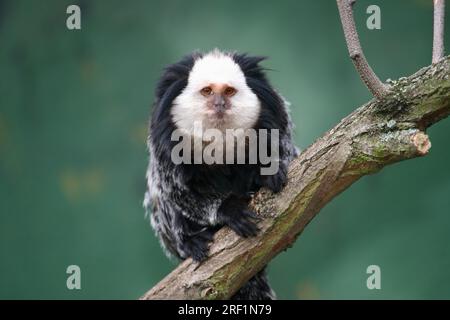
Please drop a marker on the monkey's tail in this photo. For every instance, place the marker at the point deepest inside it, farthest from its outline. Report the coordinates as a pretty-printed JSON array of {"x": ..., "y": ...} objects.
[{"x": 257, "y": 288}]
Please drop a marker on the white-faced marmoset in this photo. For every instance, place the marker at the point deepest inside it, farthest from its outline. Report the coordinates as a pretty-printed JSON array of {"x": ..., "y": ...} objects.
[{"x": 189, "y": 202}]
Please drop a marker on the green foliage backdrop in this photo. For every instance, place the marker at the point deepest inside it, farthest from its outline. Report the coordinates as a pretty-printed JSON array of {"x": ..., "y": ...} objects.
[{"x": 73, "y": 118}]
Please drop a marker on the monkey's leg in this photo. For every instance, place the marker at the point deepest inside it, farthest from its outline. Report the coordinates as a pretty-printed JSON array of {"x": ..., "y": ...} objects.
[
  {"x": 257, "y": 288},
  {"x": 192, "y": 239}
]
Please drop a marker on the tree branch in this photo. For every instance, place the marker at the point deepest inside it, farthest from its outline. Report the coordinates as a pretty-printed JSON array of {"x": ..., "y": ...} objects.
[
  {"x": 381, "y": 132},
  {"x": 370, "y": 79},
  {"x": 438, "y": 30}
]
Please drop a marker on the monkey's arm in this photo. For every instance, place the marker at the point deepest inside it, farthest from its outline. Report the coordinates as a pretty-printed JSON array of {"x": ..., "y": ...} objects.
[
  {"x": 288, "y": 151},
  {"x": 275, "y": 182}
]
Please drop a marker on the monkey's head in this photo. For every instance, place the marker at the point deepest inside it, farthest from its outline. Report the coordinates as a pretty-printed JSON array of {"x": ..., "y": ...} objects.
[
  {"x": 217, "y": 95},
  {"x": 218, "y": 90}
]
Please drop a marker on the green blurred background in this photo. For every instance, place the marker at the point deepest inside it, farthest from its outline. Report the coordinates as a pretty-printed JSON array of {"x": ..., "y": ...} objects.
[{"x": 74, "y": 107}]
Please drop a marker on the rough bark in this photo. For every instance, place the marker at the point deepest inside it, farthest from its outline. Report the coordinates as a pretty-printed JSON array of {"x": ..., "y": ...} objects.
[{"x": 381, "y": 132}]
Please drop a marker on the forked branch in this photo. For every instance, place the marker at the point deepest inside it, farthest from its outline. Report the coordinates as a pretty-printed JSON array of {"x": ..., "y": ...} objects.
[{"x": 382, "y": 132}]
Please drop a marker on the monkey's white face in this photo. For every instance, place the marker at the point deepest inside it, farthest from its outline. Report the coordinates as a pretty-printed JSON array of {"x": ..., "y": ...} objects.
[{"x": 217, "y": 96}]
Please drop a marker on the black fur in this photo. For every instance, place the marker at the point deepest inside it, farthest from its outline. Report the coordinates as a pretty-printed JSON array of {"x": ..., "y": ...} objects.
[{"x": 184, "y": 197}]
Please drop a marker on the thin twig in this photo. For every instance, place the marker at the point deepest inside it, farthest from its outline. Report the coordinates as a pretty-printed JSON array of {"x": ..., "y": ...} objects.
[
  {"x": 370, "y": 79},
  {"x": 438, "y": 30}
]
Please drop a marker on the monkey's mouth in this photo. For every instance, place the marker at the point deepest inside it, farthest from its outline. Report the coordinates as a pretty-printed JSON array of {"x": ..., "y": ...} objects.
[
  {"x": 218, "y": 116},
  {"x": 215, "y": 121}
]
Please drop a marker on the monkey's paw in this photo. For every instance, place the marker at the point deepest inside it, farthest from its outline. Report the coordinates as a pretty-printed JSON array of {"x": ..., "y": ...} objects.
[
  {"x": 196, "y": 246},
  {"x": 243, "y": 223}
]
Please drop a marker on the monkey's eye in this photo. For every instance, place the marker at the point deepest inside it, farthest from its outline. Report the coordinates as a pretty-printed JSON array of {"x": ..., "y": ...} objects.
[
  {"x": 206, "y": 91},
  {"x": 230, "y": 91}
]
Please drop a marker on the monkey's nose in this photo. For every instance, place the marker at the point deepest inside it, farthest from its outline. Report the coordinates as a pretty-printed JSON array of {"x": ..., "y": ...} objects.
[{"x": 219, "y": 107}]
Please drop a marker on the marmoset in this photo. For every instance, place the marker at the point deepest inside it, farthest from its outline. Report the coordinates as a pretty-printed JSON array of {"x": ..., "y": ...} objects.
[{"x": 188, "y": 202}]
